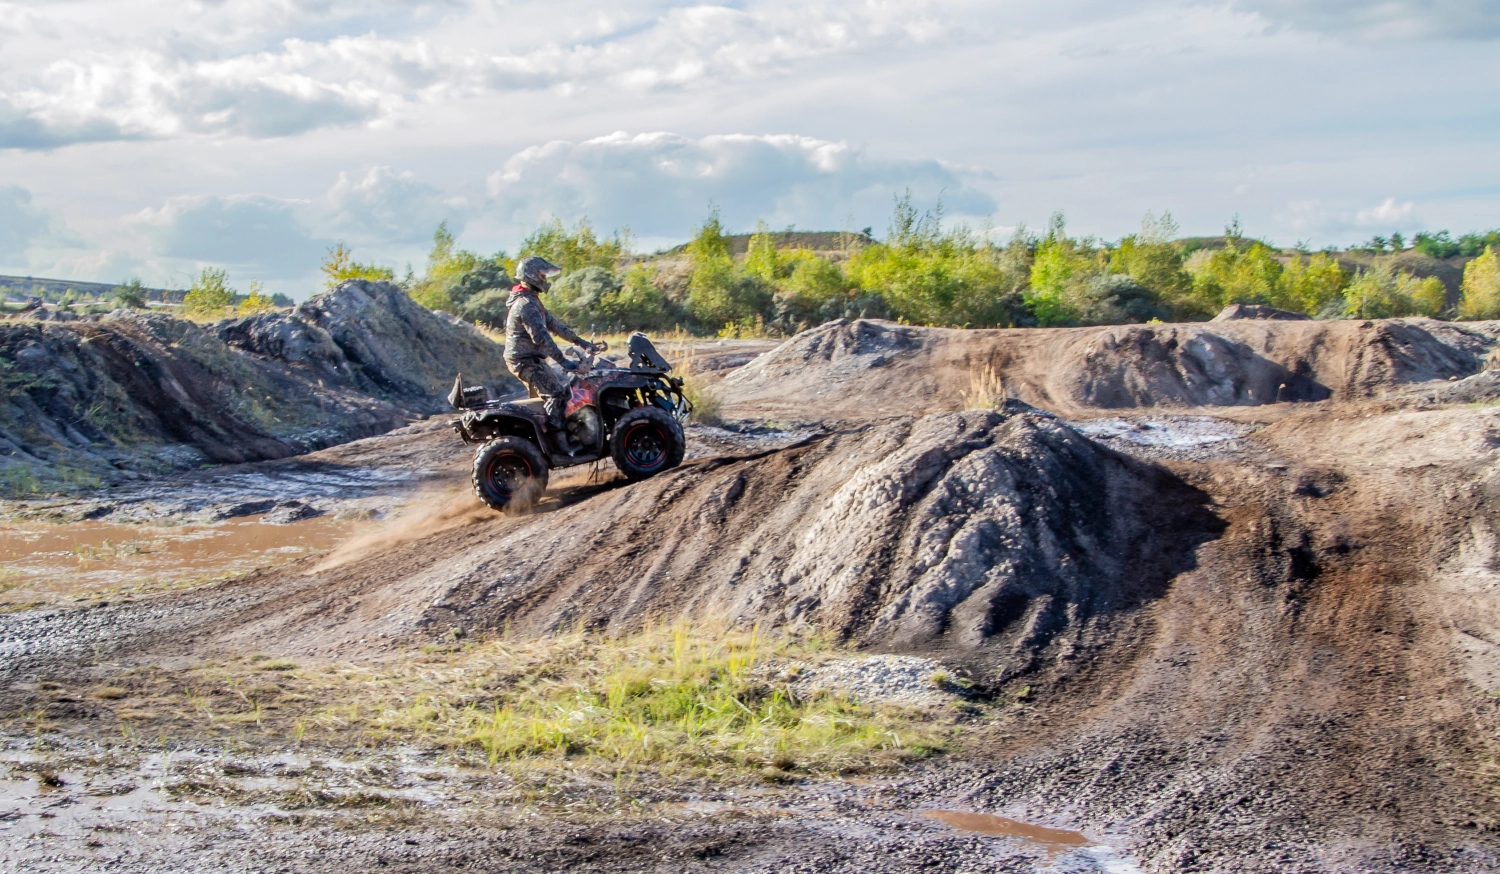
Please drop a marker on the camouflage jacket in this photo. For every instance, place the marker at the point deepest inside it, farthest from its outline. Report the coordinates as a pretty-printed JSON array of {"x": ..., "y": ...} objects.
[{"x": 529, "y": 329}]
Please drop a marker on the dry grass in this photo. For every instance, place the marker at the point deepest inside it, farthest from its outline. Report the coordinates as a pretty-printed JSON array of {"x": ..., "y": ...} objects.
[
  {"x": 986, "y": 389},
  {"x": 679, "y": 701}
]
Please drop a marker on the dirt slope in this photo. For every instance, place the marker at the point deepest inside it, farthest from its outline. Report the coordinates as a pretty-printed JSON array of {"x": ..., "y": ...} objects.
[
  {"x": 864, "y": 368},
  {"x": 1003, "y": 539},
  {"x": 147, "y": 392}
]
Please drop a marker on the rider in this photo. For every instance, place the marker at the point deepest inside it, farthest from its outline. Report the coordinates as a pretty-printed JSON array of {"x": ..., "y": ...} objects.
[{"x": 528, "y": 344}]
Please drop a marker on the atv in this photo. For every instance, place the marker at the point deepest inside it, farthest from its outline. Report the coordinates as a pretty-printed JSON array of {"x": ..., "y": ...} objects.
[{"x": 633, "y": 416}]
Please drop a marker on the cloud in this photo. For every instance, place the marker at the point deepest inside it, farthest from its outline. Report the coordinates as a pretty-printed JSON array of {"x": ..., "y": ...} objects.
[
  {"x": 25, "y": 225},
  {"x": 1388, "y": 19},
  {"x": 1387, "y": 212},
  {"x": 385, "y": 207},
  {"x": 301, "y": 85},
  {"x": 256, "y": 234},
  {"x": 660, "y": 183}
]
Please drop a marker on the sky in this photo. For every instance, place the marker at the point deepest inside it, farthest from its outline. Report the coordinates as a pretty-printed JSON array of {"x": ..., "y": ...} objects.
[{"x": 152, "y": 139}]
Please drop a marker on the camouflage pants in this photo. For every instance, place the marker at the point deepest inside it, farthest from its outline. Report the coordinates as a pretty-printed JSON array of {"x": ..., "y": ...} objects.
[{"x": 550, "y": 386}]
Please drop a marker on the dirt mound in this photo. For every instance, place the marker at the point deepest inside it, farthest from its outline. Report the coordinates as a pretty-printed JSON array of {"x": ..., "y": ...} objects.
[
  {"x": 1002, "y": 538},
  {"x": 863, "y": 368},
  {"x": 1257, "y": 311},
  {"x": 102, "y": 397}
]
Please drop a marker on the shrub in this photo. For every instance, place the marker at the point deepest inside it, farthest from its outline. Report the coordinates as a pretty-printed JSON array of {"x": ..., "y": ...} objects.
[
  {"x": 340, "y": 266},
  {"x": 719, "y": 291},
  {"x": 210, "y": 293},
  {"x": 1435, "y": 245},
  {"x": 1236, "y": 275},
  {"x": 1382, "y": 293},
  {"x": 927, "y": 275},
  {"x": 131, "y": 294},
  {"x": 576, "y": 249},
  {"x": 256, "y": 301},
  {"x": 446, "y": 266},
  {"x": 1481, "y": 288},
  {"x": 1155, "y": 262},
  {"x": 1307, "y": 285}
]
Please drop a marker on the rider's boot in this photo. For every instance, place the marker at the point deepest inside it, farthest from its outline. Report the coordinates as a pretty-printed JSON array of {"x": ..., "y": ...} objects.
[{"x": 563, "y": 443}]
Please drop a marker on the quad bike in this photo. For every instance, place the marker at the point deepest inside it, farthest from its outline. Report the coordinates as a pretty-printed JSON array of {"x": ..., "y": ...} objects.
[{"x": 633, "y": 416}]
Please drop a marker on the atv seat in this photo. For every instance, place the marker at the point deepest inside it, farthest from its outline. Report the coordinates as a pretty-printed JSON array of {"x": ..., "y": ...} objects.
[{"x": 531, "y": 405}]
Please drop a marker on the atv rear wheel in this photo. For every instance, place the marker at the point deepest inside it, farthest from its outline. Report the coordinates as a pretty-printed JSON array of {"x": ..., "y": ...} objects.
[
  {"x": 509, "y": 473},
  {"x": 645, "y": 442}
]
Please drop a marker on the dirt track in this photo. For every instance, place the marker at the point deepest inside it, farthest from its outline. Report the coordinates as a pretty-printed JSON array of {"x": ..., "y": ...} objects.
[{"x": 1268, "y": 652}]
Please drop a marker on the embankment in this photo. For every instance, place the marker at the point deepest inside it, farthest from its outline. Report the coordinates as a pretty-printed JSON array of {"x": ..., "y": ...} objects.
[{"x": 102, "y": 398}]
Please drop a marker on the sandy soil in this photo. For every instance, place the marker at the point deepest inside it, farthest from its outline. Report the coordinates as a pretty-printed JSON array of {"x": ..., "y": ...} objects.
[{"x": 1260, "y": 636}]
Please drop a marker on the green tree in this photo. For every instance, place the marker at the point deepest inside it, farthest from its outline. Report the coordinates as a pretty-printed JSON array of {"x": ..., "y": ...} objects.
[
  {"x": 131, "y": 294},
  {"x": 256, "y": 301},
  {"x": 576, "y": 249},
  {"x": 1481, "y": 288},
  {"x": 210, "y": 293},
  {"x": 340, "y": 266},
  {"x": 719, "y": 292},
  {"x": 1154, "y": 260},
  {"x": 1235, "y": 274},
  {"x": 1308, "y": 285},
  {"x": 1435, "y": 245},
  {"x": 446, "y": 266},
  {"x": 1384, "y": 293}
]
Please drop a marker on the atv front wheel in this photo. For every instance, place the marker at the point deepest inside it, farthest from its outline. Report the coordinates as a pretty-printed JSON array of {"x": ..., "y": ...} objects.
[
  {"x": 509, "y": 473},
  {"x": 645, "y": 442}
]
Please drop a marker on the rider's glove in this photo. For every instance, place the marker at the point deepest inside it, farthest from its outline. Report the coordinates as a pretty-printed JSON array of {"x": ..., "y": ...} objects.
[{"x": 569, "y": 365}]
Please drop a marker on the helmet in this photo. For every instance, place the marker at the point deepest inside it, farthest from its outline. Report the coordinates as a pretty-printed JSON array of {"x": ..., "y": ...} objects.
[{"x": 537, "y": 272}]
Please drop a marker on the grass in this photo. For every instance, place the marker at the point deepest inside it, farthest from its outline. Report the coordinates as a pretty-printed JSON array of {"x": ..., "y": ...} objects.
[
  {"x": 678, "y": 701},
  {"x": 986, "y": 389}
]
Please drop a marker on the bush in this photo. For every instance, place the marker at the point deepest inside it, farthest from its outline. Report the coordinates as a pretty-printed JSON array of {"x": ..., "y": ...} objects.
[
  {"x": 1308, "y": 285},
  {"x": 256, "y": 302},
  {"x": 488, "y": 308},
  {"x": 577, "y": 249},
  {"x": 719, "y": 291},
  {"x": 1383, "y": 293},
  {"x": 1236, "y": 275},
  {"x": 1438, "y": 245},
  {"x": 926, "y": 275},
  {"x": 446, "y": 266},
  {"x": 1155, "y": 262},
  {"x": 1481, "y": 288},
  {"x": 131, "y": 294},
  {"x": 210, "y": 293},
  {"x": 340, "y": 266}
]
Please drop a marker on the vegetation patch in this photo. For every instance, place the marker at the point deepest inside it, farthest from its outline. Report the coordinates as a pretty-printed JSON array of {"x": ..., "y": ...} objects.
[{"x": 680, "y": 701}]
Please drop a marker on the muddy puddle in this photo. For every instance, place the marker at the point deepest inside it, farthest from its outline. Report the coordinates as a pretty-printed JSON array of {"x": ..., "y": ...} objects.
[
  {"x": 45, "y": 563},
  {"x": 1056, "y": 843}
]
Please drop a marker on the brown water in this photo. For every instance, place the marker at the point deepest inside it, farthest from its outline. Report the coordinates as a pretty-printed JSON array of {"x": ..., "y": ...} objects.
[
  {"x": 988, "y": 824},
  {"x": 42, "y": 563}
]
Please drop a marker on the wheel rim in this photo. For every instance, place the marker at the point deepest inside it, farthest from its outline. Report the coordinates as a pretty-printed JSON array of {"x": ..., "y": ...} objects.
[
  {"x": 646, "y": 447},
  {"x": 506, "y": 475}
]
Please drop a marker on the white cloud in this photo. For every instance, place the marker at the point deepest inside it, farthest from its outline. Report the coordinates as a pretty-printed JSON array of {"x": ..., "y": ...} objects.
[
  {"x": 658, "y": 183},
  {"x": 384, "y": 207},
  {"x": 1389, "y": 19},
  {"x": 301, "y": 85},
  {"x": 25, "y": 225},
  {"x": 261, "y": 235},
  {"x": 1387, "y": 212}
]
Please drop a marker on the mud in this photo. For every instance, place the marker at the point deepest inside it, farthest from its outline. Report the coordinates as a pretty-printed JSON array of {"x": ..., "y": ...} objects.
[{"x": 1228, "y": 634}]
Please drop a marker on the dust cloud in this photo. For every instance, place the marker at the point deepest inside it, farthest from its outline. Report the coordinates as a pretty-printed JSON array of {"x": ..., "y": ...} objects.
[{"x": 423, "y": 517}]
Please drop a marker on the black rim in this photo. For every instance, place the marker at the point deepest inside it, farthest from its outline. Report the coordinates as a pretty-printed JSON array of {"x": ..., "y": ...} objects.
[
  {"x": 506, "y": 475},
  {"x": 645, "y": 447}
]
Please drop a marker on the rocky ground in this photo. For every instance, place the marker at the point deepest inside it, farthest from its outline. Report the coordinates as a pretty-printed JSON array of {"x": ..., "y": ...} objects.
[{"x": 1205, "y": 623}]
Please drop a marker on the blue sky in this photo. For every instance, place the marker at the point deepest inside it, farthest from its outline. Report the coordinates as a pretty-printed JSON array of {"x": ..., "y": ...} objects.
[{"x": 155, "y": 138}]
